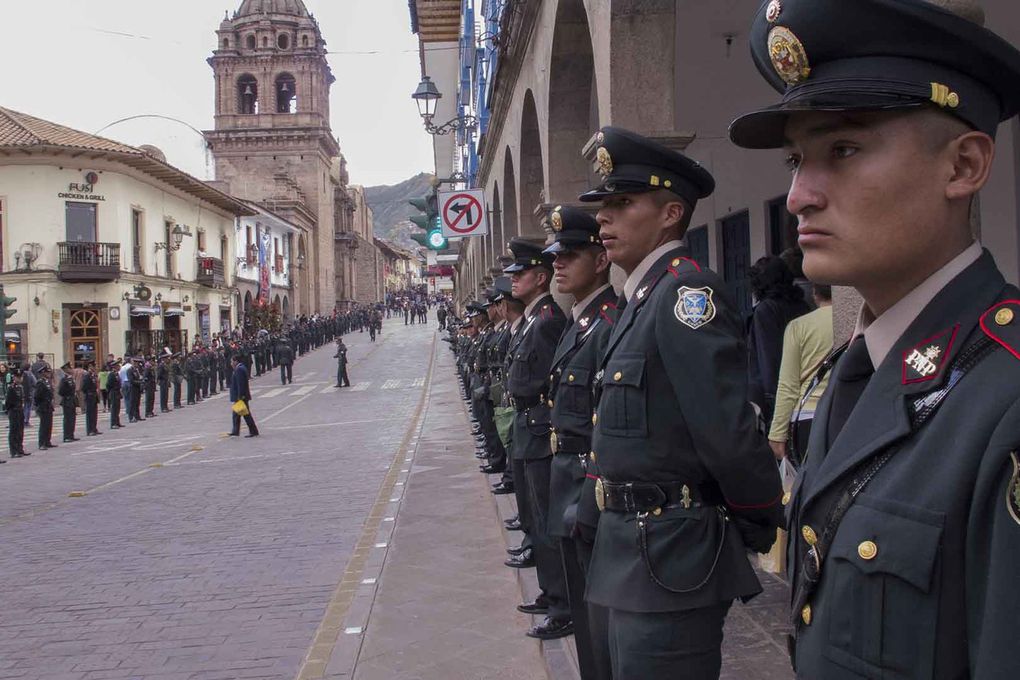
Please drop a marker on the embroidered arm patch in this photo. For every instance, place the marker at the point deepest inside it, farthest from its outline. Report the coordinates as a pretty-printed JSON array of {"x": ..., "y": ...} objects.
[{"x": 694, "y": 306}]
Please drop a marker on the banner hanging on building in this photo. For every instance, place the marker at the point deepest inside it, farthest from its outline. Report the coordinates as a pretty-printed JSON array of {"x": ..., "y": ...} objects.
[{"x": 265, "y": 242}]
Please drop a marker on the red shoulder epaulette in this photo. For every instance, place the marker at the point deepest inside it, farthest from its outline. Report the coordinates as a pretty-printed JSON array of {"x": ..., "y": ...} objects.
[
  {"x": 546, "y": 311},
  {"x": 673, "y": 267},
  {"x": 604, "y": 312},
  {"x": 1001, "y": 323}
]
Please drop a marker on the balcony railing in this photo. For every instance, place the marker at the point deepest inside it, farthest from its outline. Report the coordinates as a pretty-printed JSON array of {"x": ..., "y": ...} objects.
[
  {"x": 142, "y": 342},
  {"x": 86, "y": 261},
  {"x": 210, "y": 272}
]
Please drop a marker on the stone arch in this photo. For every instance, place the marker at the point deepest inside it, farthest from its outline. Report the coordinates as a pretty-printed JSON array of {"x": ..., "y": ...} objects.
[
  {"x": 250, "y": 42},
  {"x": 286, "y": 308},
  {"x": 247, "y": 94},
  {"x": 246, "y": 321},
  {"x": 286, "y": 93},
  {"x": 511, "y": 225},
  {"x": 573, "y": 102},
  {"x": 532, "y": 174}
]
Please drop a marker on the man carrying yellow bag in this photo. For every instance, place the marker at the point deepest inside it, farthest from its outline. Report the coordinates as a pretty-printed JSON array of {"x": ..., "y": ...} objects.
[{"x": 240, "y": 395}]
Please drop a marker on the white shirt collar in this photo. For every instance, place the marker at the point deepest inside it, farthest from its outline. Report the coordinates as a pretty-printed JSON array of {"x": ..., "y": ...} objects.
[
  {"x": 516, "y": 324},
  {"x": 579, "y": 307},
  {"x": 881, "y": 334},
  {"x": 639, "y": 273}
]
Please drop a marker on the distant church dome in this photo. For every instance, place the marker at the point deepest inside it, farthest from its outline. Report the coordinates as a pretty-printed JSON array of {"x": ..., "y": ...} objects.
[
  {"x": 292, "y": 7},
  {"x": 153, "y": 151}
]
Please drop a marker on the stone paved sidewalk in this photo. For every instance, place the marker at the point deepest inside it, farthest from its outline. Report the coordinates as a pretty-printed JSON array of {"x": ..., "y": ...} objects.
[{"x": 444, "y": 606}]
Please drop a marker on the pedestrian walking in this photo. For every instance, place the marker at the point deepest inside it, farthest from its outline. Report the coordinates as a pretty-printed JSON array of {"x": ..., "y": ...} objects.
[
  {"x": 66, "y": 392},
  {"x": 342, "y": 379},
  {"x": 908, "y": 506},
  {"x": 240, "y": 393}
]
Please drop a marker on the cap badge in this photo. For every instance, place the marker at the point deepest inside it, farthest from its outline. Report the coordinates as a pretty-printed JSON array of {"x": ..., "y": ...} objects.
[
  {"x": 943, "y": 96},
  {"x": 1013, "y": 490},
  {"x": 600, "y": 138},
  {"x": 788, "y": 55},
  {"x": 694, "y": 307},
  {"x": 773, "y": 11},
  {"x": 557, "y": 220},
  {"x": 604, "y": 162}
]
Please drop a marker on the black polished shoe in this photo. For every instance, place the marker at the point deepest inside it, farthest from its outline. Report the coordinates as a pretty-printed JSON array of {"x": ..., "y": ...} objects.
[
  {"x": 502, "y": 489},
  {"x": 525, "y": 560},
  {"x": 514, "y": 552},
  {"x": 250, "y": 435},
  {"x": 513, "y": 526},
  {"x": 233, "y": 434},
  {"x": 551, "y": 629},
  {"x": 536, "y": 607},
  {"x": 71, "y": 439},
  {"x": 494, "y": 469}
]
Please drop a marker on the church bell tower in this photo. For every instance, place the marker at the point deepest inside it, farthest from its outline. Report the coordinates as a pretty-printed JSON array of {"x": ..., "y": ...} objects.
[{"x": 272, "y": 141}]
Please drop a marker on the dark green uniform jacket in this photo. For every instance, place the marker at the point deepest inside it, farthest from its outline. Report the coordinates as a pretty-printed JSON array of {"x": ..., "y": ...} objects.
[
  {"x": 528, "y": 378},
  {"x": 674, "y": 408},
  {"x": 574, "y": 366},
  {"x": 922, "y": 579}
]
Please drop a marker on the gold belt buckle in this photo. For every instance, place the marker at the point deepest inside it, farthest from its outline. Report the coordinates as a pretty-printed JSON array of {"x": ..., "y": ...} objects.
[
  {"x": 553, "y": 441},
  {"x": 600, "y": 495}
]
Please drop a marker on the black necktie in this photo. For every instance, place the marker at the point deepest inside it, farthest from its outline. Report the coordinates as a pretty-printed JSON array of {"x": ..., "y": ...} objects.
[{"x": 849, "y": 379}]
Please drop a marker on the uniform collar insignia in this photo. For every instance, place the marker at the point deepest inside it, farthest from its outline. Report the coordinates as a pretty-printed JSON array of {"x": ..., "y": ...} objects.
[{"x": 924, "y": 361}]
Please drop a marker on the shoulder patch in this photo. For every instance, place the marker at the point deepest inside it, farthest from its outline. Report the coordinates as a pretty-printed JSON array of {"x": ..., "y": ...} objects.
[
  {"x": 925, "y": 360},
  {"x": 694, "y": 306},
  {"x": 1013, "y": 490},
  {"x": 1001, "y": 323}
]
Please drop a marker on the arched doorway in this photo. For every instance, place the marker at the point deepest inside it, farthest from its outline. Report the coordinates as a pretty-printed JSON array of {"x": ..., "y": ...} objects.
[
  {"x": 532, "y": 175},
  {"x": 247, "y": 321},
  {"x": 86, "y": 337},
  {"x": 511, "y": 227},
  {"x": 573, "y": 103},
  {"x": 286, "y": 309}
]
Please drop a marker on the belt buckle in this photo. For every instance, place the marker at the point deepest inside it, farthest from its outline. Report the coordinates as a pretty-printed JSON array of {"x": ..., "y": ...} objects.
[
  {"x": 600, "y": 495},
  {"x": 553, "y": 440}
]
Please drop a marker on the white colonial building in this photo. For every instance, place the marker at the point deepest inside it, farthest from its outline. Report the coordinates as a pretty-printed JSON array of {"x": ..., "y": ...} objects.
[
  {"x": 107, "y": 248},
  {"x": 266, "y": 240}
]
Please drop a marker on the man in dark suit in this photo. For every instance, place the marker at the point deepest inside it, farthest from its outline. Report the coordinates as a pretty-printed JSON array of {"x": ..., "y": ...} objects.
[
  {"x": 68, "y": 403},
  {"x": 687, "y": 482},
  {"x": 163, "y": 379},
  {"x": 13, "y": 404},
  {"x": 90, "y": 395},
  {"x": 342, "y": 379},
  {"x": 44, "y": 407},
  {"x": 239, "y": 391},
  {"x": 285, "y": 358},
  {"x": 905, "y": 520},
  {"x": 581, "y": 271},
  {"x": 527, "y": 384},
  {"x": 114, "y": 393}
]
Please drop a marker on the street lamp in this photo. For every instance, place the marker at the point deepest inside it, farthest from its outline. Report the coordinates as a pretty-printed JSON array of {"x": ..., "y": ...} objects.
[
  {"x": 177, "y": 236},
  {"x": 426, "y": 97}
]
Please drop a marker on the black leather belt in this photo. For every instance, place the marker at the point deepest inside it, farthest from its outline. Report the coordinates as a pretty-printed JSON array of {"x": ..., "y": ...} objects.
[
  {"x": 570, "y": 444},
  {"x": 646, "y": 496},
  {"x": 524, "y": 403}
]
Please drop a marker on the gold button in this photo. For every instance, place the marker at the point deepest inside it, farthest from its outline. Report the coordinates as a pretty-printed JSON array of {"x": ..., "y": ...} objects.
[
  {"x": 786, "y": 498},
  {"x": 618, "y": 376},
  {"x": 867, "y": 550},
  {"x": 809, "y": 535},
  {"x": 550, "y": 377},
  {"x": 657, "y": 511},
  {"x": 592, "y": 456},
  {"x": 1004, "y": 316},
  {"x": 550, "y": 402},
  {"x": 594, "y": 418},
  {"x": 805, "y": 615},
  {"x": 570, "y": 378}
]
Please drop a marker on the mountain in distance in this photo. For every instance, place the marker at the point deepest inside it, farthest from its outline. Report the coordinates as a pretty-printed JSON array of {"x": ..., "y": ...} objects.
[{"x": 391, "y": 210}]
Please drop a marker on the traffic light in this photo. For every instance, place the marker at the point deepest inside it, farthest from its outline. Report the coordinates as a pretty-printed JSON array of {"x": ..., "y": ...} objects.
[
  {"x": 7, "y": 312},
  {"x": 429, "y": 222}
]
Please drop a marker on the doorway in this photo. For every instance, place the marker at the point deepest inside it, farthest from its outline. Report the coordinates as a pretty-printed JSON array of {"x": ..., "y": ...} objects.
[
  {"x": 85, "y": 337},
  {"x": 736, "y": 252}
]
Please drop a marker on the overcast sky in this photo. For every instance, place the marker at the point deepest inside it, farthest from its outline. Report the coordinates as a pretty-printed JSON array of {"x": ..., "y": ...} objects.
[{"x": 87, "y": 64}]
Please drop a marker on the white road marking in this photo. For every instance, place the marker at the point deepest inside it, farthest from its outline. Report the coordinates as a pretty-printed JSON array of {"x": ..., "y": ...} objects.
[
  {"x": 274, "y": 392},
  {"x": 345, "y": 422},
  {"x": 305, "y": 389},
  {"x": 360, "y": 387}
]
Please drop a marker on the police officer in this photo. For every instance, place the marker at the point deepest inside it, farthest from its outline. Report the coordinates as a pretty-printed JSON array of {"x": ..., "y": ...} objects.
[
  {"x": 342, "y": 379},
  {"x": 149, "y": 383},
  {"x": 177, "y": 376},
  {"x": 531, "y": 275},
  {"x": 905, "y": 521},
  {"x": 114, "y": 394},
  {"x": 90, "y": 396},
  {"x": 687, "y": 480},
  {"x": 581, "y": 271},
  {"x": 44, "y": 407},
  {"x": 66, "y": 390},
  {"x": 285, "y": 358},
  {"x": 14, "y": 403},
  {"x": 163, "y": 380}
]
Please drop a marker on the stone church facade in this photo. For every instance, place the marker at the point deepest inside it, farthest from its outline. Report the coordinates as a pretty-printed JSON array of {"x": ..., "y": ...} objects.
[{"x": 273, "y": 144}]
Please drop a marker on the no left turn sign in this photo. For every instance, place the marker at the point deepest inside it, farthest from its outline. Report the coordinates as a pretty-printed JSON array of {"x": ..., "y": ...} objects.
[{"x": 463, "y": 213}]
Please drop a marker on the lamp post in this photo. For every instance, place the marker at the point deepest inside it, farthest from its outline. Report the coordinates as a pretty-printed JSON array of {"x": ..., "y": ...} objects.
[
  {"x": 426, "y": 97},
  {"x": 176, "y": 237}
]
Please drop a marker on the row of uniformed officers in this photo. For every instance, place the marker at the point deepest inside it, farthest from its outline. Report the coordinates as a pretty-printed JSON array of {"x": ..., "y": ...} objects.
[{"x": 624, "y": 427}]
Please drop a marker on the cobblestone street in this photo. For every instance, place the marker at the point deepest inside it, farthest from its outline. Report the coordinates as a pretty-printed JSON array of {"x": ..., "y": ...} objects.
[{"x": 298, "y": 554}]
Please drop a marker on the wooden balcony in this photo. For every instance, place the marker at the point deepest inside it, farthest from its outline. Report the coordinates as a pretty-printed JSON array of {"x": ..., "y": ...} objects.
[
  {"x": 210, "y": 272},
  {"x": 88, "y": 262}
]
